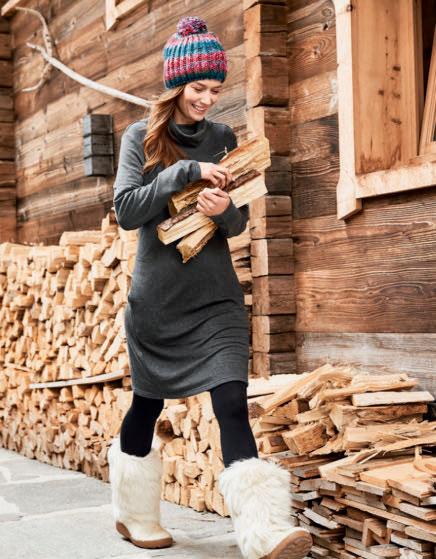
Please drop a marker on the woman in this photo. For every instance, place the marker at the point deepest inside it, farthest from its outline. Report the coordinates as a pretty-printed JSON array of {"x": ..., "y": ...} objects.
[{"x": 186, "y": 325}]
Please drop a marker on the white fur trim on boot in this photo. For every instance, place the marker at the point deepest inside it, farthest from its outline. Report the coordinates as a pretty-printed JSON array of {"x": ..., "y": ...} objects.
[
  {"x": 257, "y": 494},
  {"x": 136, "y": 487}
]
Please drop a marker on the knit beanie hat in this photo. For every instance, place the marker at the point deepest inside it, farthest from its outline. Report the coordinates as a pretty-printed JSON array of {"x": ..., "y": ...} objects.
[{"x": 193, "y": 53}]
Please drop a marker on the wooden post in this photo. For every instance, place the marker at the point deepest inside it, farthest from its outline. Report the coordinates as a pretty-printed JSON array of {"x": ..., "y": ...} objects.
[
  {"x": 8, "y": 220},
  {"x": 273, "y": 318}
]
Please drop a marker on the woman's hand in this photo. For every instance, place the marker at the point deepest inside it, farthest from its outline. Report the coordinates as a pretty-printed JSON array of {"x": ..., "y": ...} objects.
[
  {"x": 218, "y": 175},
  {"x": 212, "y": 201}
]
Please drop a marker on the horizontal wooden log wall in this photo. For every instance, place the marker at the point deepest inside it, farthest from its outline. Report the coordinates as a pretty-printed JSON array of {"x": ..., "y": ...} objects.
[
  {"x": 273, "y": 321},
  {"x": 54, "y": 194},
  {"x": 365, "y": 287},
  {"x": 8, "y": 222}
]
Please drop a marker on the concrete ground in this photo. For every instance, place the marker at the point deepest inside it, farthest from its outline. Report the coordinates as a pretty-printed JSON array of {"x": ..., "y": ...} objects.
[{"x": 51, "y": 513}]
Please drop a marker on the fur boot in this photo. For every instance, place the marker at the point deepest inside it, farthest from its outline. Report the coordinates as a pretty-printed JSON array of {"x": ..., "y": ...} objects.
[
  {"x": 257, "y": 495},
  {"x": 136, "y": 487}
]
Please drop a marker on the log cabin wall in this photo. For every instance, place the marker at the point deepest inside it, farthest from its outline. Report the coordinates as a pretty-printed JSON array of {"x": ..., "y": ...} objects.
[
  {"x": 365, "y": 287},
  {"x": 54, "y": 194},
  {"x": 8, "y": 222},
  {"x": 273, "y": 318}
]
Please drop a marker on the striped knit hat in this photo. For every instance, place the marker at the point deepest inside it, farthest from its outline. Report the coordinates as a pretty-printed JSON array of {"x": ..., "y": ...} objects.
[{"x": 193, "y": 53}]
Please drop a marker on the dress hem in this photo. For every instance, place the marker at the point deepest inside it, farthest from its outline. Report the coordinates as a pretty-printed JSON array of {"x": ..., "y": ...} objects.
[{"x": 189, "y": 393}]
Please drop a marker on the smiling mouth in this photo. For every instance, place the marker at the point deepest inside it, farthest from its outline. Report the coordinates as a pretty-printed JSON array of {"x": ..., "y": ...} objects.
[{"x": 199, "y": 110}]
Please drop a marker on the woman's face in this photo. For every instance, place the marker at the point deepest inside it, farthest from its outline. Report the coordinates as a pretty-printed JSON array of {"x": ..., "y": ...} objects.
[{"x": 197, "y": 98}]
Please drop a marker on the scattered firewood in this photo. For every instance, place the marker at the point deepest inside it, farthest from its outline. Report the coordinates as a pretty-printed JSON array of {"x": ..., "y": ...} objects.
[{"x": 339, "y": 402}]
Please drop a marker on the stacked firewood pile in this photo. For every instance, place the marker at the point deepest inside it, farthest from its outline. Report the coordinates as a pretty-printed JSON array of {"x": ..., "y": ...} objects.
[
  {"x": 307, "y": 426},
  {"x": 379, "y": 500},
  {"x": 62, "y": 307},
  {"x": 376, "y": 502},
  {"x": 381, "y": 504},
  {"x": 70, "y": 424},
  {"x": 67, "y": 426}
]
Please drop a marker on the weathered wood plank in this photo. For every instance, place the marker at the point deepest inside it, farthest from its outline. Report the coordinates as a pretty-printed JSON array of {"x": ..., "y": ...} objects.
[
  {"x": 313, "y": 98},
  {"x": 311, "y": 41},
  {"x": 314, "y": 186}
]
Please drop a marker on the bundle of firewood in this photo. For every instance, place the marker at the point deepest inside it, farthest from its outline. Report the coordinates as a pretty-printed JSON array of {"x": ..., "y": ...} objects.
[
  {"x": 62, "y": 306},
  {"x": 246, "y": 163}
]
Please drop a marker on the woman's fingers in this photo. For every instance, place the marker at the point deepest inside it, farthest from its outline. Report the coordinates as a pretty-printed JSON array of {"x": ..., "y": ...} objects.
[
  {"x": 207, "y": 199},
  {"x": 226, "y": 172},
  {"x": 220, "y": 177},
  {"x": 214, "y": 179},
  {"x": 209, "y": 196}
]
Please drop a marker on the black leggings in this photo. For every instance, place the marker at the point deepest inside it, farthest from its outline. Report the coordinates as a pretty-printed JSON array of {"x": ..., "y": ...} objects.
[{"x": 229, "y": 402}]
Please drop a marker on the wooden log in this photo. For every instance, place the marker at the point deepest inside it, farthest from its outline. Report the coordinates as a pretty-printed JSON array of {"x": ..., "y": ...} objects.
[
  {"x": 383, "y": 398},
  {"x": 251, "y": 154},
  {"x": 191, "y": 219}
]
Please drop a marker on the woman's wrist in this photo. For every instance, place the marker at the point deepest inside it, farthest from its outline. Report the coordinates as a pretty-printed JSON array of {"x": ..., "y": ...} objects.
[{"x": 228, "y": 212}]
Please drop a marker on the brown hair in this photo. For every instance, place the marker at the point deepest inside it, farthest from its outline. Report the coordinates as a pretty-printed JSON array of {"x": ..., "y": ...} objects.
[{"x": 159, "y": 146}]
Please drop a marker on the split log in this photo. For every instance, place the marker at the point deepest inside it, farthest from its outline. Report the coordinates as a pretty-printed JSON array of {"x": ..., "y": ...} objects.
[
  {"x": 244, "y": 189},
  {"x": 252, "y": 154},
  {"x": 246, "y": 162}
]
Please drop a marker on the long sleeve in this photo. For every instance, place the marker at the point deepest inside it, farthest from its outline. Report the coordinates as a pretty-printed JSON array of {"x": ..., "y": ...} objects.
[
  {"x": 233, "y": 220},
  {"x": 136, "y": 203}
]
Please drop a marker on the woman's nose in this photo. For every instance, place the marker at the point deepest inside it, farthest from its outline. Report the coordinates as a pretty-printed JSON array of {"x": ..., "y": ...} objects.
[{"x": 206, "y": 101}]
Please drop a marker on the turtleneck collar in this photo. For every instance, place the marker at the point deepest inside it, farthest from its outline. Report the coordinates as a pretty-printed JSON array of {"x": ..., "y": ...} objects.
[{"x": 188, "y": 134}]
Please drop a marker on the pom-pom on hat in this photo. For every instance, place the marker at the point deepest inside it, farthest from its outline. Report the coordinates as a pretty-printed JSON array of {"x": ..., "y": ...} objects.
[{"x": 193, "y": 53}]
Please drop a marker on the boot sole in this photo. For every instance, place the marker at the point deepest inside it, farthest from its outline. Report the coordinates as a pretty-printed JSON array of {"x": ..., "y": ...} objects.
[
  {"x": 296, "y": 546},
  {"x": 147, "y": 544}
]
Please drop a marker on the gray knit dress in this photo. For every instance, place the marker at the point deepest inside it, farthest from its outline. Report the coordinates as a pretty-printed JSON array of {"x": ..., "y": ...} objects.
[{"x": 186, "y": 324}]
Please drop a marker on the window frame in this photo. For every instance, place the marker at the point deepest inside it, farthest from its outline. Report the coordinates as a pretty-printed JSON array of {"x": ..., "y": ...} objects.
[
  {"x": 420, "y": 169},
  {"x": 427, "y": 142}
]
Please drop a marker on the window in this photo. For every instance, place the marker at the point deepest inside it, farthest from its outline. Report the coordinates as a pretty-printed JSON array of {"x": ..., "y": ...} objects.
[{"x": 386, "y": 98}]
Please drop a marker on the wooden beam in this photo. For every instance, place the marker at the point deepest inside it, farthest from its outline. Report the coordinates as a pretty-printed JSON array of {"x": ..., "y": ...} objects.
[
  {"x": 408, "y": 177},
  {"x": 106, "y": 377},
  {"x": 347, "y": 202}
]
